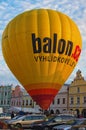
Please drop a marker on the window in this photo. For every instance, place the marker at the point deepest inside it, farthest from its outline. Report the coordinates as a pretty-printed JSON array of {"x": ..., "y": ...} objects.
[
  {"x": 8, "y": 102},
  {"x": 84, "y": 99},
  {"x": 1, "y": 102},
  {"x": 28, "y": 118},
  {"x": 23, "y": 102},
  {"x": 31, "y": 102},
  {"x": 63, "y": 100},
  {"x": 71, "y": 100},
  {"x": 5, "y": 93},
  {"x": 37, "y": 117},
  {"x": 78, "y": 100},
  {"x": 26, "y": 102},
  {"x": 5, "y": 102},
  {"x": 58, "y": 119},
  {"x": 17, "y": 103},
  {"x": 14, "y": 103},
  {"x": 58, "y": 101},
  {"x": 78, "y": 89}
]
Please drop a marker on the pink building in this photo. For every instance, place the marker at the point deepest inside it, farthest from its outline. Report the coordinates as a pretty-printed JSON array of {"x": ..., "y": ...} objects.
[
  {"x": 16, "y": 99},
  {"x": 21, "y": 100}
]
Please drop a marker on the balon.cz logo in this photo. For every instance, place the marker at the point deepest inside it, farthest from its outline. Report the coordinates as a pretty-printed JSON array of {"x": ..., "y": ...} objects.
[{"x": 60, "y": 46}]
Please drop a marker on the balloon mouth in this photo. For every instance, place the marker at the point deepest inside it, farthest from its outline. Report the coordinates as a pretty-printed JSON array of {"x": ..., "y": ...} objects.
[{"x": 43, "y": 97}]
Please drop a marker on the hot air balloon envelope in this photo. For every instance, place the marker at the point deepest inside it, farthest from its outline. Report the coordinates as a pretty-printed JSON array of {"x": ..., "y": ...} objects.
[{"x": 41, "y": 47}]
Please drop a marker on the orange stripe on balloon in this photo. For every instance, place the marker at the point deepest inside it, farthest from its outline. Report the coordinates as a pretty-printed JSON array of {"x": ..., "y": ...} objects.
[
  {"x": 44, "y": 91},
  {"x": 42, "y": 85},
  {"x": 43, "y": 97},
  {"x": 44, "y": 101}
]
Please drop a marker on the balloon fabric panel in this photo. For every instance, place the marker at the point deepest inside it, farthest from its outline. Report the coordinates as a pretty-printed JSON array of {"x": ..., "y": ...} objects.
[{"x": 41, "y": 47}]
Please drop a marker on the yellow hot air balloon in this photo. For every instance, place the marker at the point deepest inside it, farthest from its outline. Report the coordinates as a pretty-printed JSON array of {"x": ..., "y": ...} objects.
[{"x": 41, "y": 47}]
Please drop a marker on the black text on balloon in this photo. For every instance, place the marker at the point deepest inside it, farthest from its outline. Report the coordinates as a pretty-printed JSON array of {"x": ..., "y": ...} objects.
[{"x": 48, "y": 45}]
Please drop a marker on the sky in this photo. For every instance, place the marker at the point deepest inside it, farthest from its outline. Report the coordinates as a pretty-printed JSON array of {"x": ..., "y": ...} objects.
[{"x": 75, "y": 9}]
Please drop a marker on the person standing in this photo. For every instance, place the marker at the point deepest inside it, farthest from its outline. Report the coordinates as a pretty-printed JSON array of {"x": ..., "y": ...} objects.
[{"x": 12, "y": 114}]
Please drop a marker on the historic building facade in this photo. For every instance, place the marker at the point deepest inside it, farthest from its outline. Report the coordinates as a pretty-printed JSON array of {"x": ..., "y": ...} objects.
[
  {"x": 21, "y": 100},
  {"x": 70, "y": 97},
  {"x": 16, "y": 98},
  {"x": 60, "y": 103},
  {"x": 5, "y": 97},
  {"x": 77, "y": 95}
]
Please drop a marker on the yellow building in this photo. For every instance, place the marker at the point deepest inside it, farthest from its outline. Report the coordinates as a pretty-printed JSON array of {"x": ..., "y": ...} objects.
[{"x": 77, "y": 95}]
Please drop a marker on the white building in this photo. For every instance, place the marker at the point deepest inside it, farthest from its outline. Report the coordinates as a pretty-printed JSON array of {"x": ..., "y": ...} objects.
[{"x": 60, "y": 103}]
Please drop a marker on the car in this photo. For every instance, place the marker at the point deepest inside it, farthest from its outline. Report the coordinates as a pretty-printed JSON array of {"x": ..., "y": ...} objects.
[
  {"x": 25, "y": 121},
  {"x": 80, "y": 126},
  {"x": 62, "y": 127},
  {"x": 69, "y": 125},
  {"x": 66, "y": 126},
  {"x": 14, "y": 118},
  {"x": 5, "y": 116},
  {"x": 53, "y": 121}
]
